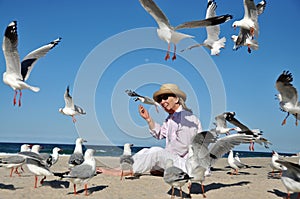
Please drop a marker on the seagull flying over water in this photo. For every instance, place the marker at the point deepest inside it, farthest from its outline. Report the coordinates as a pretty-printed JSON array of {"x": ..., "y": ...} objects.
[
  {"x": 288, "y": 96},
  {"x": 221, "y": 124},
  {"x": 18, "y": 72},
  {"x": 245, "y": 38},
  {"x": 70, "y": 108},
  {"x": 212, "y": 42},
  {"x": 242, "y": 129},
  {"x": 143, "y": 99},
  {"x": 168, "y": 33}
]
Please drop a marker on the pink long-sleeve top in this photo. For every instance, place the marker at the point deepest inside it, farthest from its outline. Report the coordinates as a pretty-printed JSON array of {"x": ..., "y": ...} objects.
[{"x": 178, "y": 129}]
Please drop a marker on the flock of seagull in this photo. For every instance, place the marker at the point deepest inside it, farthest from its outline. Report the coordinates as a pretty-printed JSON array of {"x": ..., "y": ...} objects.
[{"x": 206, "y": 147}]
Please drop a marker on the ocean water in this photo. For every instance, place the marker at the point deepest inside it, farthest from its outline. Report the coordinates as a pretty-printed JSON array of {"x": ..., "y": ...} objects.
[{"x": 113, "y": 151}]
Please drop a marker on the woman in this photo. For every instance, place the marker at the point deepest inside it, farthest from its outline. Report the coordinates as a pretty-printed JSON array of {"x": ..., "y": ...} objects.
[{"x": 178, "y": 129}]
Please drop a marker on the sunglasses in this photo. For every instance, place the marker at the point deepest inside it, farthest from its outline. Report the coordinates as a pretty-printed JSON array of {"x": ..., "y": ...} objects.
[{"x": 164, "y": 97}]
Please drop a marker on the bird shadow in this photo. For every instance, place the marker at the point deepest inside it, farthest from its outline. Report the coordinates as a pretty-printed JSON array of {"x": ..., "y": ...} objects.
[
  {"x": 196, "y": 187},
  {"x": 239, "y": 173},
  {"x": 57, "y": 184},
  {"x": 7, "y": 186},
  {"x": 282, "y": 194},
  {"x": 90, "y": 190}
]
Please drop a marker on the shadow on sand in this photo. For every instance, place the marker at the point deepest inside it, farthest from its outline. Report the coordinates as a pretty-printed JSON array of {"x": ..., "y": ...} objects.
[
  {"x": 91, "y": 190},
  {"x": 281, "y": 194},
  {"x": 7, "y": 186}
]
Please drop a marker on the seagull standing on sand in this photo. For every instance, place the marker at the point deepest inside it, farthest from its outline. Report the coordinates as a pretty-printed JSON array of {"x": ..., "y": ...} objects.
[
  {"x": 242, "y": 129},
  {"x": 212, "y": 42},
  {"x": 168, "y": 33},
  {"x": 77, "y": 156},
  {"x": 15, "y": 161},
  {"x": 205, "y": 151},
  {"x": 275, "y": 165},
  {"x": 143, "y": 99},
  {"x": 51, "y": 159},
  {"x": 234, "y": 163},
  {"x": 81, "y": 174},
  {"x": 290, "y": 177},
  {"x": 175, "y": 176},
  {"x": 70, "y": 108},
  {"x": 18, "y": 72},
  {"x": 288, "y": 96},
  {"x": 36, "y": 164},
  {"x": 245, "y": 38},
  {"x": 250, "y": 20},
  {"x": 126, "y": 160}
]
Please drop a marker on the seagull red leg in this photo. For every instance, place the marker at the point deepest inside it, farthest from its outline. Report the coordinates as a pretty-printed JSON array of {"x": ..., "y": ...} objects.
[
  {"x": 168, "y": 53},
  {"x": 20, "y": 98},
  {"x": 11, "y": 171},
  {"x": 35, "y": 183},
  {"x": 15, "y": 97},
  {"x": 74, "y": 119},
  {"x": 86, "y": 189},
  {"x": 75, "y": 193},
  {"x": 174, "y": 55},
  {"x": 203, "y": 193}
]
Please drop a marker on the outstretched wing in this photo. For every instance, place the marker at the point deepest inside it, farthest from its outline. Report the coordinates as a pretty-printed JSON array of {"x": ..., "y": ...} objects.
[
  {"x": 156, "y": 13},
  {"x": 30, "y": 59},
  {"x": 9, "y": 47},
  {"x": 286, "y": 89}
]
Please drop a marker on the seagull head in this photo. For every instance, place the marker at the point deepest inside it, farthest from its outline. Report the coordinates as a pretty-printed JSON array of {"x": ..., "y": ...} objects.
[{"x": 60, "y": 110}]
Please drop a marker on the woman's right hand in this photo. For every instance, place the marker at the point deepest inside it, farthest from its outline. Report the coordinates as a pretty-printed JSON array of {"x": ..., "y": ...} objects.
[{"x": 144, "y": 113}]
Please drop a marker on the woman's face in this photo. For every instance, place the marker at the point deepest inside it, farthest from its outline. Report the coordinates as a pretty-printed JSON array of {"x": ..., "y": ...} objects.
[{"x": 169, "y": 102}]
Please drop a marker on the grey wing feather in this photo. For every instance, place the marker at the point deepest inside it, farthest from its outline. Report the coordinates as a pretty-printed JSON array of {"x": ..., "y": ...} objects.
[
  {"x": 174, "y": 174},
  {"x": 286, "y": 89},
  {"x": 79, "y": 110},
  {"x": 82, "y": 171},
  {"x": 76, "y": 159},
  {"x": 227, "y": 143},
  {"x": 156, "y": 13},
  {"x": 9, "y": 47},
  {"x": 29, "y": 61},
  {"x": 292, "y": 168},
  {"x": 15, "y": 159},
  {"x": 132, "y": 93},
  {"x": 205, "y": 22},
  {"x": 68, "y": 99},
  {"x": 260, "y": 7},
  {"x": 213, "y": 32},
  {"x": 126, "y": 159}
]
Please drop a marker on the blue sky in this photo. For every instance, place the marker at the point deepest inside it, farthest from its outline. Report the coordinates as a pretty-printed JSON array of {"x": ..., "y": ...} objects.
[{"x": 112, "y": 46}]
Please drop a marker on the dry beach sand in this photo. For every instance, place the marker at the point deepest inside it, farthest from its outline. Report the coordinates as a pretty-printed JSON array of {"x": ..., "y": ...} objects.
[{"x": 254, "y": 182}]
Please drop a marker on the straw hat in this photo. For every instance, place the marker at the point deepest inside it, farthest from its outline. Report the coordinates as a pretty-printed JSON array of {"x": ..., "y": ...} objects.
[{"x": 169, "y": 89}]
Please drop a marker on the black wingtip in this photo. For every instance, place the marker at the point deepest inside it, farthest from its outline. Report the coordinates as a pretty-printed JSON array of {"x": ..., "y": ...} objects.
[{"x": 11, "y": 31}]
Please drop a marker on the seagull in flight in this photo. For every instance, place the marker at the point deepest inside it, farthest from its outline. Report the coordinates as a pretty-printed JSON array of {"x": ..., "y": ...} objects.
[
  {"x": 212, "y": 42},
  {"x": 168, "y": 33},
  {"x": 221, "y": 124},
  {"x": 70, "y": 108},
  {"x": 206, "y": 149},
  {"x": 242, "y": 129},
  {"x": 288, "y": 96},
  {"x": 18, "y": 72},
  {"x": 143, "y": 99},
  {"x": 245, "y": 38},
  {"x": 250, "y": 20}
]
